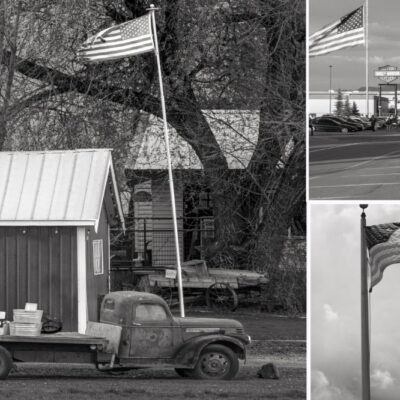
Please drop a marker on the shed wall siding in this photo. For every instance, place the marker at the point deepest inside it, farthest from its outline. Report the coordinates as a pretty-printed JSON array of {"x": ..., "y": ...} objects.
[
  {"x": 97, "y": 284},
  {"x": 39, "y": 266},
  {"x": 163, "y": 246}
]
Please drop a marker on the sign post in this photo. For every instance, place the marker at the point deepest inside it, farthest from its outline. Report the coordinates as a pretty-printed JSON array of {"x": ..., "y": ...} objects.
[{"x": 387, "y": 74}]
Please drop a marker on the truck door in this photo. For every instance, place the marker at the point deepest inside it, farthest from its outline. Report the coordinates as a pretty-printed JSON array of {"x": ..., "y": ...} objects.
[{"x": 152, "y": 332}]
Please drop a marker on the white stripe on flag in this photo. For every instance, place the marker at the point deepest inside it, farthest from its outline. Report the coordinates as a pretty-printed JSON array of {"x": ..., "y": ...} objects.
[
  {"x": 322, "y": 31},
  {"x": 112, "y": 49},
  {"x": 338, "y": 36},
  {"x": 118, "y": 55},
  {"x": 330, "y": 49},
  {"x": 112, "y": 42}
]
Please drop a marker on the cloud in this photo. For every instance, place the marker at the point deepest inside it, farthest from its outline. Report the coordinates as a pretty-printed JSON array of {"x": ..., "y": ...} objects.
[
  {"x": 329, "y": 314},
  {"x": 322, "y": 389},
  {"x": 381, "y": 379}
]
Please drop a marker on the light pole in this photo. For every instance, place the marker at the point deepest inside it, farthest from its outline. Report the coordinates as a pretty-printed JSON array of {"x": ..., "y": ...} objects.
[{"x": 330, "y": 89}]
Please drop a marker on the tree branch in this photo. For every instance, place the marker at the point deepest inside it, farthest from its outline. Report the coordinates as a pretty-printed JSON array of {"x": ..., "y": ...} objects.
[
  {"x": 21, "y": 104},
  {"x": 91, "y": 87}
]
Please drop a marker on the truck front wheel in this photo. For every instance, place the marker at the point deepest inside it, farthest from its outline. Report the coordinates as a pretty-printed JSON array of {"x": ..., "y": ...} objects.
[
  {"x": 217, "y": 362},
  {"x": 6, "y": 363}
]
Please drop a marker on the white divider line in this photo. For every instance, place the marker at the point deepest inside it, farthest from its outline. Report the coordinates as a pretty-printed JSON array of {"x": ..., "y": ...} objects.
[{"x": 356, "y": 185}]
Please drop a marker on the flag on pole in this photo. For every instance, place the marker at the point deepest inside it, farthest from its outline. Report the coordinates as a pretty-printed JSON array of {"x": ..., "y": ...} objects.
[
  {"x": 119, "y": 41},
  {"x": 383, "y": 242},
  {"x": 348, "y": 31},
  {"x": 129, "y": 39}
]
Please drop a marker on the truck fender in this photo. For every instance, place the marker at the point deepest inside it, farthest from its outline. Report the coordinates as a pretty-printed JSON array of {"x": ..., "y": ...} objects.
[{"x": 188, "y": 354}]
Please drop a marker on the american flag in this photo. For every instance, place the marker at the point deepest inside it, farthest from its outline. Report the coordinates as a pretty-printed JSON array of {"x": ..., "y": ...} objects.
[
  {"x": 348, "y": 31},
  {"x": 383, "y": 242},
  {"x": 119, "y": 41}
]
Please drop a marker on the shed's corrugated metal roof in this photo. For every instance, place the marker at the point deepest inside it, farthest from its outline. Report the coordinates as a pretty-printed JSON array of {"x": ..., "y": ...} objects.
[{"x": 54, "y": 187}]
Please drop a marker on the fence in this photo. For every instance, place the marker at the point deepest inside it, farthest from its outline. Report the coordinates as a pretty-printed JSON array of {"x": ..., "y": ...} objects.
[{"x": 151, "y": 241}]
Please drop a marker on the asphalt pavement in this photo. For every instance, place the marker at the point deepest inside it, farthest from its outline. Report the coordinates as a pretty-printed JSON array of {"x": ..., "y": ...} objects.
[{"x": 355, "y": 166}]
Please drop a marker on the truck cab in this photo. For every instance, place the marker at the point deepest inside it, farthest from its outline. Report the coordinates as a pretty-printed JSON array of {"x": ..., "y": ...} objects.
[{"x": 207, "y": 348}]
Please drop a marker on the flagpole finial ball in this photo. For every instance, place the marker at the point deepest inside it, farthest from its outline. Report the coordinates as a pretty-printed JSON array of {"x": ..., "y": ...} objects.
[
  {"x": 152, "y": 8},
  {"x": 363, "y": 206}
]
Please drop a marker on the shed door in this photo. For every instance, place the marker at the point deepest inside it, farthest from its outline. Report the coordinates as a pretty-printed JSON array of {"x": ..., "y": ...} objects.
[{"x": 151, "y": 332}]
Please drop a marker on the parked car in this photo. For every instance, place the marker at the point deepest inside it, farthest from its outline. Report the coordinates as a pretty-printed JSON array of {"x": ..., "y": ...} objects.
[
  {"x": 328, "y": 124},
  {"x": 346, "y": 120},
  {"x": 363, "y": 120}
]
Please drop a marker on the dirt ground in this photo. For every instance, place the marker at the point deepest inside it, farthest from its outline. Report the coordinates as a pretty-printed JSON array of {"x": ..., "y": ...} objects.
[{"x": 276, "y": 339}]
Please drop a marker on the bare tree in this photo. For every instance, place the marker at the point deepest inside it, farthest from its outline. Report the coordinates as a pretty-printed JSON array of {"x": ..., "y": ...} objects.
[{"x": 238, "y": 55}]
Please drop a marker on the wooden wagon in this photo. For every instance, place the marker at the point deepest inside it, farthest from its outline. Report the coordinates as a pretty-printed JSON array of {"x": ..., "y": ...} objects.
[{"x": 222, "y": 289}]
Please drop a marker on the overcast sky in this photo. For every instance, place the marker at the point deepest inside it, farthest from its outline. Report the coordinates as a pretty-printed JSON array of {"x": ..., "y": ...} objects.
[
  {"x": 335, "y": 307},
  {"x": 348, "y": 70}
]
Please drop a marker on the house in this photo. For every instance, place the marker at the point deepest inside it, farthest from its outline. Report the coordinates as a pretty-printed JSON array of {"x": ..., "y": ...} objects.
[
  {"x": 56, "y": 209},
  {"x": 236, "y": 131}
]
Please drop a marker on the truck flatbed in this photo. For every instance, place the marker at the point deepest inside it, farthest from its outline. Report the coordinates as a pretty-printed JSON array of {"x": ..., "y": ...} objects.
[{"x": 56, "y": 338}]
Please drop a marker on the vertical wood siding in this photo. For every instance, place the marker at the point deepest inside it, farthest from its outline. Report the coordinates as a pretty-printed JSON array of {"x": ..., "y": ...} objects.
[
  {"x": 163, "y": 235},
  {"x": 38, "y": 265}
]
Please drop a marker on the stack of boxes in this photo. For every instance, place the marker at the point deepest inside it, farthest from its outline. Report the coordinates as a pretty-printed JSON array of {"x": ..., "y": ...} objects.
[
  {"x": 27, "y": 322},
  {"x": 4, "y": 325}
]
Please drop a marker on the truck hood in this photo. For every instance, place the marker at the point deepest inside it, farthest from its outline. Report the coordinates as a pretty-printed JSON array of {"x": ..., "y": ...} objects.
[{"x": 208, "y": 323}]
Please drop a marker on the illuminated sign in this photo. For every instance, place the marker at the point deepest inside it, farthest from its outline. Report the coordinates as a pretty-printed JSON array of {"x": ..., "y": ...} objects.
[{"x": 387, "y": 73}]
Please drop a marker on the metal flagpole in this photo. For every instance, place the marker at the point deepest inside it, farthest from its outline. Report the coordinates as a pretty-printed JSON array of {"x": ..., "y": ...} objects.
[
  {"x": 330, "y": 89},
  {"x": 366, "y": 57},
  {"x": 152, "y": 9},
  {"x": 365, "y": 344}
]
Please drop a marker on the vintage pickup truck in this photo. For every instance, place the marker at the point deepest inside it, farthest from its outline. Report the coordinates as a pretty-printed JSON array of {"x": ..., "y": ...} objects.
[{"x": 137, "y": 330}]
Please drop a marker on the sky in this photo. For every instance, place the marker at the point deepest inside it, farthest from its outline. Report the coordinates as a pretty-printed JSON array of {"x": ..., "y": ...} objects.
[
  {"x": 348, "y": 65},
  {"x": 335, "y": 307}
]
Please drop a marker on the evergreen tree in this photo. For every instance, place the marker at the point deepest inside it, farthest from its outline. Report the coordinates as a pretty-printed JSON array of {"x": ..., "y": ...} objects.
[
  {"x": 347, "y": 108},
  {"x": 339, "y": 103},
  {"x": 354, "y": 109}
]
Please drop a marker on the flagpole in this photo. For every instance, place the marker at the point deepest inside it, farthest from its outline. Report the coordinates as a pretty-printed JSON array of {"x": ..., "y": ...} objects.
[
  {"x": 330, "y": 89},
  {"x": 365, "y": 345},
  {"x": 152, "y": 9},
  {"x": 366, "y": 57}
]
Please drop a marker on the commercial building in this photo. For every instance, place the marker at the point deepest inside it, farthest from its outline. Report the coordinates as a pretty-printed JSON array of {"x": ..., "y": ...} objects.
[{"x": 323, "y": 102}]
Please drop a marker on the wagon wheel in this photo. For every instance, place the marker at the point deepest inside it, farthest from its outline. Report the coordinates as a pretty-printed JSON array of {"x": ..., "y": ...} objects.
[
  {"x": 165, "y": 292},
  {"x": 221, "y": 297}
]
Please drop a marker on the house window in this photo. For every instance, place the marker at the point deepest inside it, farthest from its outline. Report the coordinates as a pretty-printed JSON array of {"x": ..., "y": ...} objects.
[
  {"x": 98, "y": 266},
  {"x": 207, "y": 228}
]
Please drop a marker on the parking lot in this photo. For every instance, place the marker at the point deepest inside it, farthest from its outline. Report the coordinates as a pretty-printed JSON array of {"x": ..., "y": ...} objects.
[{"x": 361, "y": 165}]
